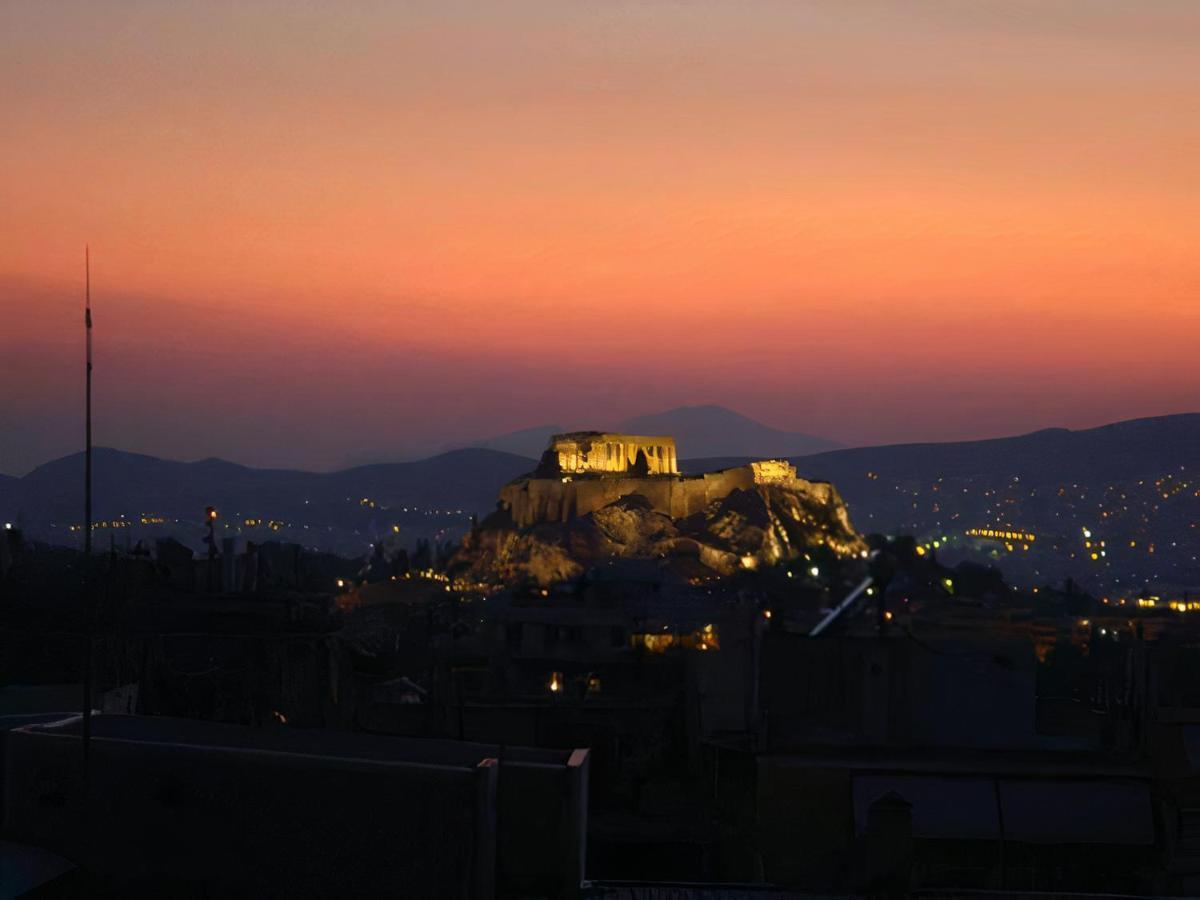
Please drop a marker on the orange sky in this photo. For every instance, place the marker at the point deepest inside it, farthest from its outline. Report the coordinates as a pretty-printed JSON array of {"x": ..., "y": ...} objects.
[{"x": 333, "y": 232}]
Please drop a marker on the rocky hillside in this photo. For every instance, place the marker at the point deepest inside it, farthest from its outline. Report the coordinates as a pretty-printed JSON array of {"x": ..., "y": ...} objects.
[{"x": 746, "y": 528}]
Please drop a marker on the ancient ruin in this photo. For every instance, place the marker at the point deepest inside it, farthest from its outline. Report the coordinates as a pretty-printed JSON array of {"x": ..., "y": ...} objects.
[
  {"x": 596, "y": 496},
  {"x": 583, "y": 452}
]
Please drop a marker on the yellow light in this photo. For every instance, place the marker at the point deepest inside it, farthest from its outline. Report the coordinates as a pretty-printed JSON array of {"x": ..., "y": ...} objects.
[
  {"x": 920, "y": 550},
  {"x": 766, "y": 614},
  {"x": 887, "y": 614}
]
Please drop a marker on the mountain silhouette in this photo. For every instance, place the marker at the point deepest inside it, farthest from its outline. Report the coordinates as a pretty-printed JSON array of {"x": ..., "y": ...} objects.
[
  {"x": 710, "y": 430},
  {"x": 1141, "y": 447}
]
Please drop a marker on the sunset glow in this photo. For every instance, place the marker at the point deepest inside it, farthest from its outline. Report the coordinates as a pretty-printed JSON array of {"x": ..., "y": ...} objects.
[{"x": 325, "y": 236}]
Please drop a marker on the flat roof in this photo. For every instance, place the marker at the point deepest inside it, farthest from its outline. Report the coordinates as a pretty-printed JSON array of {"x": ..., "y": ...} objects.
[{"x": 310, "y": 741}]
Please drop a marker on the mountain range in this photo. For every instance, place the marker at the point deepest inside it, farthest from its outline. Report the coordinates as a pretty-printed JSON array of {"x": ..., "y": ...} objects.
[
  {"x": 1113, "y": 451},
  {"x": 342, "y": 511},
  {"x": 1116, "y": 508},
  {"x": 1136, "y": 483}
]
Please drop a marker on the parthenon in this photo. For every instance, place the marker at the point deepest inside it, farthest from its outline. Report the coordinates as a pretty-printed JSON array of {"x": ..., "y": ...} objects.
[{"x": 582, "y": 452}]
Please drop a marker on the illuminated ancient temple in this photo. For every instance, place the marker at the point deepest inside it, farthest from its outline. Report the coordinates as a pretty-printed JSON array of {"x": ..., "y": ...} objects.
[{"x": 583, "y": 452}]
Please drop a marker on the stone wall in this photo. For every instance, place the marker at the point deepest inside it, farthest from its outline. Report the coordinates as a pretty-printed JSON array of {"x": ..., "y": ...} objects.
[
  {"x": 551, "y": 529},
  {"x": 773, "y": 471},
  {"x": 534, "y": 500}
]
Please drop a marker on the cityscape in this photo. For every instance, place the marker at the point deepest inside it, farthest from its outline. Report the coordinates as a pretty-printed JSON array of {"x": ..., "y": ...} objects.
[{"x": 625, "y": 451}]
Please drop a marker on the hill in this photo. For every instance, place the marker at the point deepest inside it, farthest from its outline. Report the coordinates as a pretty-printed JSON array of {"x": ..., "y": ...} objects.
[
  {"x": 1151, "y": 445},
  {"x": 716, "y": 431},
  {"x": 528, "y": 442},
  {"x": 1134, "y": 485},
  {"x": 341, "y": 511}
]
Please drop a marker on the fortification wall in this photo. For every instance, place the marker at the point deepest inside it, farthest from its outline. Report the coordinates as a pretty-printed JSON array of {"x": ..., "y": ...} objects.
[{"x": 534, "y": 500}]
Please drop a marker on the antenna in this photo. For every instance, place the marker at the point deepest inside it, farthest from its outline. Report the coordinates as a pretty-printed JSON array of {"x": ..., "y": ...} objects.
[
  {"x": 87, "y": 531},
  {"x": 87, "y": 455}
]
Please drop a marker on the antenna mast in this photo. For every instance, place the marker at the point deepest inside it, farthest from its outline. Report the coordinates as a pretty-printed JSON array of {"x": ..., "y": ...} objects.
[
  {"x": 87, "y": 530},
  {"x": 87, "y": 455}
]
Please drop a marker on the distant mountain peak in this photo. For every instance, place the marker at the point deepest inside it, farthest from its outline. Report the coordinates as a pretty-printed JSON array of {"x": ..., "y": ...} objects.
[
  {"x": 527, "y": 442},
  {"x": 711, "y": 430},
  {"x": 687, "y": 412}
]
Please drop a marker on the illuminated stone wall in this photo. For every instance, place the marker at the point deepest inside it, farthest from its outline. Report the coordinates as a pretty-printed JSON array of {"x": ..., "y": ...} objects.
[
  {"x": 727, "y": 520},
  {"x": 773, "y": 471},
  {"x": 534, "y": 500},
  {"x": 584, "y": 452}
]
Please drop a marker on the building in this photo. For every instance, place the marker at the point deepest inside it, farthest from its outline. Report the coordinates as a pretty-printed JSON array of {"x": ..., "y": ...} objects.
[
  {"x": 599, "y": 452},
  {"x": 584, "y": 471},
  {"x": 204, "y": 809}
]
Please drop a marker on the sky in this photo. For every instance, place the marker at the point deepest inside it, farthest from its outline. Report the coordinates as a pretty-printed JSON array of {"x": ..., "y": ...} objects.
[{"x": 331, "y": 233}]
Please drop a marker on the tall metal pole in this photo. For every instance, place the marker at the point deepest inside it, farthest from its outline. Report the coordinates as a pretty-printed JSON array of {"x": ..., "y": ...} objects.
[
  {"x": 87, "y": 456},
  {"x": 87, "y": 528}
]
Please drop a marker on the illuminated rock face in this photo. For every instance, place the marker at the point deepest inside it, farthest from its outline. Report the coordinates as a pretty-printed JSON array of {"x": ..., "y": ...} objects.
[
  {"x": 599, "y": 452},
  {"x": 552, "y": 527},
  {"x": 531, "y": 501}
]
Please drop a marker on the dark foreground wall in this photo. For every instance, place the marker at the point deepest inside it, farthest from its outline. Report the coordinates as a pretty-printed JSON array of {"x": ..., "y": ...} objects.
[{"x": 230, "y": 810}]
